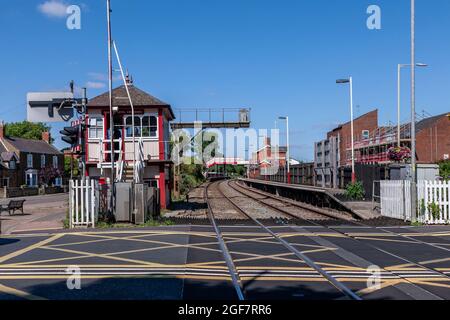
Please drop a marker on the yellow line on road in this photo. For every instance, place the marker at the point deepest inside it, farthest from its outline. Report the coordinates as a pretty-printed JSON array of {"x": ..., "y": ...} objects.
[
  {"x": 386, "y": 240},
  {"x": 384, "y": 284},
  {"x": 19, "y": 293},
  {"x": 29, "y": 248},
  {"x": 94, "y": 277}
]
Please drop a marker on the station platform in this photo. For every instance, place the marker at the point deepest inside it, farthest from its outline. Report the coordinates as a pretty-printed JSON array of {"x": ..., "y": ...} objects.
[{"x": 317, "y": 196}]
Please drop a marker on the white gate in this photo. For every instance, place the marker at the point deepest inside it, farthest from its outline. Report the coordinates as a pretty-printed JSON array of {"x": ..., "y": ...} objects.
[
  {"x": 434, "y": 202},
  {"x": 396, "y": 199},
  {"x": 432, "y": 196},
  {"x": 82, "y": 203}
]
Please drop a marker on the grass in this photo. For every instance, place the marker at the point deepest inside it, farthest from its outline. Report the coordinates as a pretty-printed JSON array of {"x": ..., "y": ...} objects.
[{"x": 151, "y": 223}]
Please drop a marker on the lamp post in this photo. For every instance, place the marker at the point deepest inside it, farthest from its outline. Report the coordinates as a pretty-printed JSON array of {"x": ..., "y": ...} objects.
[
  {"x": 399, "y": 67},
  {"x": 288, "y": 151},
  {"x": 413, "y": 114},
  {"x": 350, "y": 82}
]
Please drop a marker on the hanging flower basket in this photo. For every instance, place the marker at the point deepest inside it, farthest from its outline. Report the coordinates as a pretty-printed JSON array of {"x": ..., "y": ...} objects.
[{"x": 399, "y": 154}]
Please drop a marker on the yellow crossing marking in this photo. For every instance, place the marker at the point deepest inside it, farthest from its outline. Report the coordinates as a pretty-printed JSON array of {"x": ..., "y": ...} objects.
[
  {"x": 19, "y": 293},
  {"x": 29, "y": 248},
  {"x": 386, "y": 240}
]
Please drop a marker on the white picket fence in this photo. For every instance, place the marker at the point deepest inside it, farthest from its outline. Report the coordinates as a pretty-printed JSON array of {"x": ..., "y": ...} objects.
[
  {"x": 432, "y": 196},
  {"x": 82, "y": 203},
  {"x": 434, "y": 203}
]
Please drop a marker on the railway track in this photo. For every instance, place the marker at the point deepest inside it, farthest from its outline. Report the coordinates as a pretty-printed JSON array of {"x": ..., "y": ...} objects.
[
  {"x": 253, "y": 194},
  {"x": 237, "y": 284},
  {"x": 228, "y": 257}
]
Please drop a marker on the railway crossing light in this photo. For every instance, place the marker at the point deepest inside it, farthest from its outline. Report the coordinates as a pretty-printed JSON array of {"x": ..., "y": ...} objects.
[{"x": 71, "y": 135}]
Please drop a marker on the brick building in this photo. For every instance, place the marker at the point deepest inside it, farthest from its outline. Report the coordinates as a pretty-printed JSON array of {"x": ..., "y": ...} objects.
[
  {"x": 331, "y": 154},
  {"x": 433, "y": 139},
  {"x": 25, "y": 162},
  {"x": 267, "y": 160},
  {"x": 432, "y": 142}
]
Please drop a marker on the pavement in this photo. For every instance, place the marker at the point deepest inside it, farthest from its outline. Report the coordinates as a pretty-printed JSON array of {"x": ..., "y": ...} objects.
[
  {"x": 40, "y": 213},
  {"x": 186, "y": 263}
]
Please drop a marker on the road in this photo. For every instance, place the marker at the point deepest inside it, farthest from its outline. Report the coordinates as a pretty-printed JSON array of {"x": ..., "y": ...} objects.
[
  {"x": 41, "y": 212},
  {"x": 185, "y": 262}
]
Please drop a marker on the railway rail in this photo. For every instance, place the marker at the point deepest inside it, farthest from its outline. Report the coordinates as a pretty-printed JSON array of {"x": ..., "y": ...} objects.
[
  {"x": 251, "y": 194},
  {"x": 302, "y": 257}
]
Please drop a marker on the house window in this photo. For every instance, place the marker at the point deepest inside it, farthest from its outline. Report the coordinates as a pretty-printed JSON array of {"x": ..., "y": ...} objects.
[
  {"x": 31, "y": 179},
  {"x": 58, "y": 182},
  {"x": 43, "y": 161},
  {"x": 152, "y": 183},
  {"x": 30, "y": 161},
  {"x": 95, "y": 128},
  {"x": 55, "y": 162},
  {"x": 12, "y": 165},
  {"x": 365, "y": 134}
]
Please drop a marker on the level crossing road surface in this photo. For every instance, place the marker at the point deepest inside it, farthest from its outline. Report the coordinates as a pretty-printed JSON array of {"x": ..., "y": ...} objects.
[{"x": 186, "y": 262}]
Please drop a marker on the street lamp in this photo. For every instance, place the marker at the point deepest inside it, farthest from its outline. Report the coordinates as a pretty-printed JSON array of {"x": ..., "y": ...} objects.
[
  {"x": 350, "y": 81},
  {"x": 399, "y": 67},
  {"x": 288, "y": 151},
  {"x": 413, "y": 114}
]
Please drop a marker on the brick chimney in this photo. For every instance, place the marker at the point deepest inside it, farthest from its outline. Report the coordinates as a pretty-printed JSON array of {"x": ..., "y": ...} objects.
[
  {"x": 2, "y": 130},
  {"x": 46, "y": 137}
]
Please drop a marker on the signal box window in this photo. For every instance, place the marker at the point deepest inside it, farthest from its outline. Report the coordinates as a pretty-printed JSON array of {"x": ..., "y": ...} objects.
[
  {"x": 129, "y": 127},
  {"x": 96, "y": 128}
]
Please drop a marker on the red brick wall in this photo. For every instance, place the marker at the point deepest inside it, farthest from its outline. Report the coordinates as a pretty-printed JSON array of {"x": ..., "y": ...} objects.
[
  {"x": 369, "y": 121},
  {"x": 434, "y": 142}
]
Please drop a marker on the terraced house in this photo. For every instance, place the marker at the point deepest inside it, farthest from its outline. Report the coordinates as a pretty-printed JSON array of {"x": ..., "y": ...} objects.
[{"x": 30, "y": 163}]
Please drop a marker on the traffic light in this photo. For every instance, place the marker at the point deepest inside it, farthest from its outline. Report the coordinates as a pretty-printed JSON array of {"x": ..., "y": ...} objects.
[{"x": 71, "y": 135}]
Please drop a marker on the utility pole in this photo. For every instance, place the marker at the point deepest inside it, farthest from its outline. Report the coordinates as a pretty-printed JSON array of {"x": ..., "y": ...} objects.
[
  {"x": 399, "y": 68},
  {"x": 111, "y": 116},
  {"x": 413, "y": 115},
  {"x": 399, "y": 137}
]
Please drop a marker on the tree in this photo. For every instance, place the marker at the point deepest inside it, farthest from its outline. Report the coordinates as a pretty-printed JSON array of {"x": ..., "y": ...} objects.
[
  {"x": 26, "y": 130},
  {"x": 48, "y": 175},
  {"x": 67, "y": 162}
]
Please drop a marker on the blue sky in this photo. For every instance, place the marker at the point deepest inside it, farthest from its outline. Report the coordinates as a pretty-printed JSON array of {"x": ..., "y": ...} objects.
[{"x": 277, "y": 57}]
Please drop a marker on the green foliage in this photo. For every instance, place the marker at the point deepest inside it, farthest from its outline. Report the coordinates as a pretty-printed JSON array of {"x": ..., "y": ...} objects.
[
  {"x": 231, "y": 170},
  {"x": 48, "y": 175},
  {"x": 355, "y": 191},
  {"x": 434, "y": 210},
  {"x": 444, "y": 170},
  {"x": 76, "y": 171},
  {"x": 191, "y": 177},
  {"x": 26, "y": 130},
  {"x": 151, "y": 223}
]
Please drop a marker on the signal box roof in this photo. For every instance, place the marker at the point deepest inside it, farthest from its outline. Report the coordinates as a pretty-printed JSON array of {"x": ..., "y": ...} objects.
[{"x": 120, "y": 99}]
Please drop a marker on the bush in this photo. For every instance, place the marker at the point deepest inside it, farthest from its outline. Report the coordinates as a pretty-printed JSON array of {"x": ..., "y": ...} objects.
[
  {"x": 444, "y": 170},
  {"x": 355, "y": 191}
]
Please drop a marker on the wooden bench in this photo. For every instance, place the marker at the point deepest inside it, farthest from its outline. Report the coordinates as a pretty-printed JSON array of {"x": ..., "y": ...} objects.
[{"x": 13, "y": 206}]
